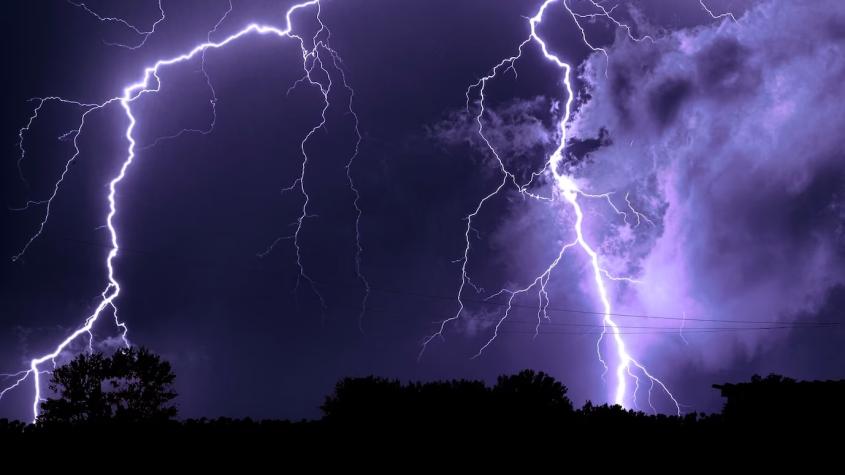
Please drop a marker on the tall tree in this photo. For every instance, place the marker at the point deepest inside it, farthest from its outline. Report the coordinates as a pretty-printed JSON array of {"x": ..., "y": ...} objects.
[
  {"x": 81, "y": 395},
  {"x": 133, "y": 385}
]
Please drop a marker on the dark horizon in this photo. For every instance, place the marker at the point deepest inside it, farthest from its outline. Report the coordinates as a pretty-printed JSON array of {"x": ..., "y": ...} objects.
[{"x": 124, "y": 402}]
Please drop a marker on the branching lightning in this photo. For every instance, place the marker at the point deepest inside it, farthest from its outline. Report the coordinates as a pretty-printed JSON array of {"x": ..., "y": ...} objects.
[
  {"x": 681, "y": 328},
  {"x": 320, "y": 64},
  {"x": 317, "y": 56},
  {"x": 48, "y": 202},
  {"x": 601, "y": 12},
  {"x": 144, "y": 35},
  {"x": 714, "y": 15},
  {"x": 212, "y": 101},
  {"x": 566, "y": 188}
]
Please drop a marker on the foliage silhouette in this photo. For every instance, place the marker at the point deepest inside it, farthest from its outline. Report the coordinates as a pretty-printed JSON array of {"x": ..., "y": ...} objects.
[
  {"x": 525, "y": 398},
  {"x": 777, "y": 400},
  {"x": 112, "y": 400},
  {"x": 131, "y": 386}
]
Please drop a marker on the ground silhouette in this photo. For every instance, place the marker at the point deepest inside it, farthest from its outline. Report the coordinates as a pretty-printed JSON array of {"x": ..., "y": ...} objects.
[{"x": 124, "y": 400}]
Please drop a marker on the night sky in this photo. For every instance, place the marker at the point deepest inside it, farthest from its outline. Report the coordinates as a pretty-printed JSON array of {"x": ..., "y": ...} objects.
[{"x": 726, "y": 136}]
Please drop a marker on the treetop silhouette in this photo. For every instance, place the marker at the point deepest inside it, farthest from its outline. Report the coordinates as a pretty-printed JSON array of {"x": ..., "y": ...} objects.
[{"x": 131, "y": 386}]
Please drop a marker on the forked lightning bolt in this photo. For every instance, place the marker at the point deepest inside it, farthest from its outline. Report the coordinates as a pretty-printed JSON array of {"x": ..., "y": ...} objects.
[
  {"x": 714, "y": 15},
  {"x": 566, "y": 188},
  {"x": 317, "y": 55},
  {"x": 212, "y": 102},
  {"x": 143, "y": 34}
]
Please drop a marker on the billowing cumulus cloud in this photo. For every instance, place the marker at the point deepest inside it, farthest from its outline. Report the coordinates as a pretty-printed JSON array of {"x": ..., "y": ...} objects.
[{"x": 729, "y": 137}]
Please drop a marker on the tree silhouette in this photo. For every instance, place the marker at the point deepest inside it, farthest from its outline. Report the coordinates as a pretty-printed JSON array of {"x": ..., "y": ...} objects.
[
  {"x": 142, "y": 386},
  {"x": 113, "y": 400},
  {"x": 530, "y": 397},
  {"x": 79, "y": 385},
  {"x": 133, "y": 385}
]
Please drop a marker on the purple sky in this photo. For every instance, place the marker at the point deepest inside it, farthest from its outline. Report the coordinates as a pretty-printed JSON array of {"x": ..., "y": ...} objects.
[{"x": 725, "y": 136}]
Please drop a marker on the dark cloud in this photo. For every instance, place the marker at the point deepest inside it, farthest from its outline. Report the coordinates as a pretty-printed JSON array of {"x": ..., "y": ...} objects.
[
  {"x": 666, "y": 99},
  {"x": 747, "y": 163},
  {"x": 724, "y": 69},
  {"x": 577, "y": 149}
]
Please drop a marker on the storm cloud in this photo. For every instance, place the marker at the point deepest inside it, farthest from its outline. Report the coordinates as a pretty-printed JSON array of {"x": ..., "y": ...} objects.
[{"x": 730, "y": 133}]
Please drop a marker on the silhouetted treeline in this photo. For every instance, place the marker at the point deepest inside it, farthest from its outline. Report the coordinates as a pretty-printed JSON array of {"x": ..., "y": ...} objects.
[
  {"x": 527, "y": 398},
  {"x": 778, "y": 400},
  {"x": 124, "y": 399}
]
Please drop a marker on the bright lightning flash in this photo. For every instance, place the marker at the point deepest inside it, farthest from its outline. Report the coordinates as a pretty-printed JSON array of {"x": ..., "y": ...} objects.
[
  {"x": 317, "y": 56},
  {"x": 567, "y": 188}
]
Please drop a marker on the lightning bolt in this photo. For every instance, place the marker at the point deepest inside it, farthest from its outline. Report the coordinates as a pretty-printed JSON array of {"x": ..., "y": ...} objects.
[
  {"x": 143, "y": 34},
  {"x": 359, "y": 249},
  {"x": 316, "y": 57},
  {"x": 714, "y": 15},
  {"x": 312, "y": 59},
  {"x": 608, "y": 197},
  {"x": 608, "y": 14},
  {"x": 681, "y": 328},
  {"x": 48, "y": 202},
  {"x": 212, "y": 102},
  {"x": 566, "y": 188},
  {"x": 601, "y": 12}
]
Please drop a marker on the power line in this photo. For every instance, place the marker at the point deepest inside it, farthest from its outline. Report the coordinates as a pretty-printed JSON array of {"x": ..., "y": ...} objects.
[
  {"x": 597, "y": 325},
  {"x": 656, "y": 332},
  {"x": 452, "y": 298},
  {"x": 596, "y": 313}
]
